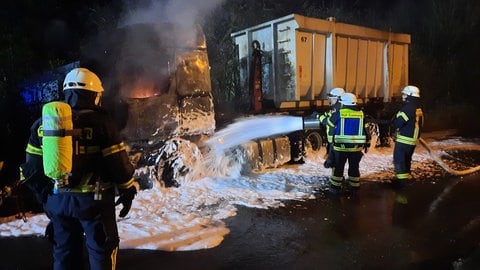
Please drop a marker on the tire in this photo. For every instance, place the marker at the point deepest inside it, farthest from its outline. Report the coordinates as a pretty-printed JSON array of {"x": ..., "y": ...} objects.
[
  {"x": 178, "y": 158},
  {"x": 314, "y": 140}
]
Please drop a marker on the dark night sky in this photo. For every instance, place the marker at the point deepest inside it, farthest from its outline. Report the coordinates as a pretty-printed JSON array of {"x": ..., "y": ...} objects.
[{"x": 54, "y": 28}]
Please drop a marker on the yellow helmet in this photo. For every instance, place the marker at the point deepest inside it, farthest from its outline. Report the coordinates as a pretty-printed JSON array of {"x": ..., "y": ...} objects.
[{"x": 82, "y": 78}]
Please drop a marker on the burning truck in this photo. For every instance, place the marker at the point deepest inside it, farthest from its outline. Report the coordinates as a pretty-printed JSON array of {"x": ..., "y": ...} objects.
[
  {"x": 157, "y": 88},
  {"x": 161, "y": 97}
]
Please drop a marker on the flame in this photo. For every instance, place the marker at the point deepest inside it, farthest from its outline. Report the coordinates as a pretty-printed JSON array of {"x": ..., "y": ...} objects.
[
  {"x": 142, "y": 89},
  {"x": 201, "y": 64},
  {"x": 142, "y": 93},
  {"x": 194, "y": 65}
]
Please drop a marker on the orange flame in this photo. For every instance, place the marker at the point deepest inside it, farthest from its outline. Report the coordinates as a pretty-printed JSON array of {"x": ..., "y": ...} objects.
[{"x": 142, "y": 89}]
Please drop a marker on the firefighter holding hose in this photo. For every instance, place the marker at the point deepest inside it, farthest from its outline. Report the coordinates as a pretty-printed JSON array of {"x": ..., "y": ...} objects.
[
  {"x": 75, "y": 162},
  {"x": 335, "y": 105},
  {"x": 408, "y": 123}
]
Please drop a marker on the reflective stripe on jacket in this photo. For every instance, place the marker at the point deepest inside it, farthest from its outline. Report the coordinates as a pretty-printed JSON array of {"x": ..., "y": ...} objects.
[
  {"x": 350, "y": 135},
  {"x": 329, "y": 126},
  {"x": 409, "y": 122}
]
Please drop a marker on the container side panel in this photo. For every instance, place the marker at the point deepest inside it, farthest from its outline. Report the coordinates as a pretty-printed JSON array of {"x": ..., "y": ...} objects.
[
  {"x": 405, "y": 65},
  {"x": 370, "y": 85},
  {"x": 330, "y": 45},
  {"x": 286, "y": 62},
  {"x": 352, "y": 55},
  {"x": 379, "y": 70},
  {"x": 397, "y": 65},
  {"x": 341, "y": 52},
  {"x": 242, "y": 47},
  {"x": 387, "y": 67},
  {"x": 267, "y": 75},
  {"x": 264, "y": 36},
  {"x": 399, "y": 68},
  {"x": 304, "y": 51},
  {"x": 318, "y": 68},
  {"x": 362, "y": 60}
]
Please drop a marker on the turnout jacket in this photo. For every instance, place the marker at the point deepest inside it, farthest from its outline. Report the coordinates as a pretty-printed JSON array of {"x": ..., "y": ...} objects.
[
  {"x": 350, "y": 134},
  {"x": 99, "y": 154},
  {"x": 324, "y": 120},
  {"x": 408, "y": 122}
]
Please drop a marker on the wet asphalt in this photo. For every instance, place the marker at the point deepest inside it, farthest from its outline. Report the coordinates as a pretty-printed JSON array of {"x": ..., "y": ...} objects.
[{"x": 427, "y": 225}]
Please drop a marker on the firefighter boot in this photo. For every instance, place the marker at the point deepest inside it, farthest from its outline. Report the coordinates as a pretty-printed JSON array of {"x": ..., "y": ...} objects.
[{"x": 334, "y": 190}]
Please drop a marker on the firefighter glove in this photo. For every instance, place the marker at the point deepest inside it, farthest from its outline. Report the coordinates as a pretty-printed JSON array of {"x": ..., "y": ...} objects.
[
  {"x": 329, "y": 161},
  {"x": 126, "y": 198},
  {"x": 328, "y": 164}
]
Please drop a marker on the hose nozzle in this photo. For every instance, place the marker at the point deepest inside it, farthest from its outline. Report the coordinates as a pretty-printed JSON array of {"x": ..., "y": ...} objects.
[{"x": 310, "y": 123}]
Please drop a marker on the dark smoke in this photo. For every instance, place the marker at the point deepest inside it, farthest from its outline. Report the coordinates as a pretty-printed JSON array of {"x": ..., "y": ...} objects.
[
  {"x": 185, "y": 14},
  {"x": 142, "y": 45}
]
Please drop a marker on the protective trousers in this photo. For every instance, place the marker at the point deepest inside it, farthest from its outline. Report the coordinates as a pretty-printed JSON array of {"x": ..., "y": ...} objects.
[
  {"x": 353, "y": 159},
  {"x": 402, "y": 160},
  {"x": 78, "y": 217}
]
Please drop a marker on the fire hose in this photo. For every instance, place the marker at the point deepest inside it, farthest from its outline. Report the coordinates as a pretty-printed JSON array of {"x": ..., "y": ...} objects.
[{"x": 445, "y": 166}]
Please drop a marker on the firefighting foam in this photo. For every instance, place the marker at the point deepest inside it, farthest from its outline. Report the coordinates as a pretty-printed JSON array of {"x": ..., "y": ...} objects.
[
  {"x": 250, "y": 128},
  {"x": 192, "y": 216}
]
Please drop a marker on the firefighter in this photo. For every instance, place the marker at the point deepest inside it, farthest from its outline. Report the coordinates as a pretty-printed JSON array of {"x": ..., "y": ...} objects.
[
  {"x": 408, "y": 123},
  {"x": 84, "y": 208},
  {"x": 333, "y": 100},
  {"x": 349, "y": 139}
]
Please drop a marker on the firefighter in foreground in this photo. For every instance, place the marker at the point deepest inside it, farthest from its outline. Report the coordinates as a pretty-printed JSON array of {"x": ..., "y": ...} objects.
[
  {"x": 333, "y": 99},
  {"x": 81, "y": 204},
  {"x": 349, "y": 139},
  {"x": 408, "y": 123}
]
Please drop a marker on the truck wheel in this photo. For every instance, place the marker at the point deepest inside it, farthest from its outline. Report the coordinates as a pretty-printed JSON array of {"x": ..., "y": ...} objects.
[
  {"x": 178, "y": 158},
  {"x": 314, "y": 140}
]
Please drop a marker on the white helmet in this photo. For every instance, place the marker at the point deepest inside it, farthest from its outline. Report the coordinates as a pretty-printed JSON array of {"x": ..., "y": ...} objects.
[
  {"x": 82, "y": 78},
  {"x": 411, "y": 90},
  {"x": 348, "y": 99},
  {"x": 336, "y": 92}
]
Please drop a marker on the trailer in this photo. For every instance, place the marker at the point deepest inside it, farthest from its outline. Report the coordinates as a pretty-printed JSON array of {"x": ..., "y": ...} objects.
[
  {"x": 291, "y": 63},
  {"x": 303, "y": 58}
]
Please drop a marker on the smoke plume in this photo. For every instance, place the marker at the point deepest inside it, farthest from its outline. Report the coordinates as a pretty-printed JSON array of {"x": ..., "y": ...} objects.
[{"x": 186, "y": 14}]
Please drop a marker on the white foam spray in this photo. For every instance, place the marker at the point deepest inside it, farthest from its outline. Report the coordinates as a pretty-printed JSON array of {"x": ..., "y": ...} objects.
[{"x": 255, "y": 127}]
